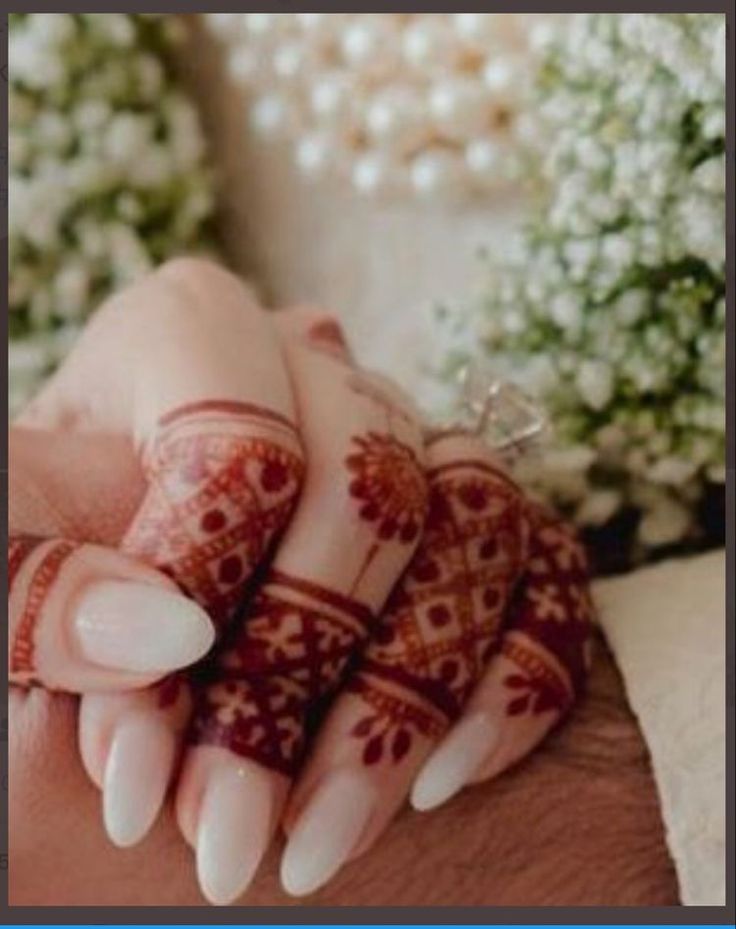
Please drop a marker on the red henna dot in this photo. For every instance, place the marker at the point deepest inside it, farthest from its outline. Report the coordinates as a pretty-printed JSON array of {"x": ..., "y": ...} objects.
[
  {"x": 439, "y": 616},
  {"x": 369, "y": 511},
  {"x": 384, "y": 635},
  {"x": 425, "y": 571},
  {"x": 488, "y": 549},
  {"x": 213, "y": 521},
  {"x": 448, "y": 671},
  {"x": 409, "y": 531},
  {"x": 474, "y": 496},
  {"x": 373, "y": 751},
  {"x": 387, "y": 529},
  {"x": 274, "y": 476},
  {"x": 230, "y": 569},
  {"x": 491, "y": 598}
]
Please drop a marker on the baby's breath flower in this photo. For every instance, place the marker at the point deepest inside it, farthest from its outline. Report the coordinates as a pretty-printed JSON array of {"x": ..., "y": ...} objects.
[
  {"x": 107, "y": 173},
  {"x": 611, "y": 309}
]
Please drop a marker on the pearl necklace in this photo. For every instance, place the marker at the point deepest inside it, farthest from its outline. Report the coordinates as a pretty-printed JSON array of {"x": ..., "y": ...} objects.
[{"x": 396, "y": 103}]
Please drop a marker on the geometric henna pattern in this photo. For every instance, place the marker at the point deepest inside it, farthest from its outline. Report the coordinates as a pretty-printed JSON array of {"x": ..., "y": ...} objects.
[
  {"x": 550, "y": 621},
  {"x": 41, "y": 581},
  {"x": 442, "y": 622},
  {"x": 273, "y": 681},
  {"x": 222, "y": 480}
]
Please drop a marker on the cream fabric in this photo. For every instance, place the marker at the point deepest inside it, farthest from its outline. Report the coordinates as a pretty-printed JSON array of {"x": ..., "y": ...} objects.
[{"x": 667, "y": 628}]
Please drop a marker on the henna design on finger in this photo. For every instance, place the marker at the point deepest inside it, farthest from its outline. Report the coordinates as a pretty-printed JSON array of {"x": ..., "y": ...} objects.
[
  {"x": 552, "y": 615},
  {"x": 390, "y": 487},
  {"x": 223, "y": 478},
  {"x": 44, "y": 574},
  {"x": 274, "y": 679},
  {"x": 442, "y": 622}
]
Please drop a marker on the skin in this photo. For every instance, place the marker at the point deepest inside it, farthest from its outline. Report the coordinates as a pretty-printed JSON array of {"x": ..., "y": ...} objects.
[
  {"x": 576, "y": 824},
  {"x": 365, "y": 552}
]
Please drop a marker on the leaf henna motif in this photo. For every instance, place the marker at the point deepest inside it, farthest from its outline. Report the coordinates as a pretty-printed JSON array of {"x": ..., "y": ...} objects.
[{"x": 550, "y": 624}]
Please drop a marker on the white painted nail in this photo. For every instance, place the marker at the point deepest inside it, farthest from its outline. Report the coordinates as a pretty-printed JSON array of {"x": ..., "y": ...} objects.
[
  {"x": 449, "y": 768},
  {"x": 327, "y": 831},
  {"x": 141, "y": 628},
  {"x": 137, "y": 774},
  {"x": 234, "y": 829}
]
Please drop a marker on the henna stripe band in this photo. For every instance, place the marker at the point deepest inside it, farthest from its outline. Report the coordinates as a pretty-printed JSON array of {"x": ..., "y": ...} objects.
[
  {"x": 477, "y": 465},
  {"x": 19, "y": 548},
  {"x": 21, "y": 658},
  {"x": 546, "y": 670},
  {"x": 229, "y": 407},
  {"x": 435, "y": 692},
  {"x": 343, "y": 604}
]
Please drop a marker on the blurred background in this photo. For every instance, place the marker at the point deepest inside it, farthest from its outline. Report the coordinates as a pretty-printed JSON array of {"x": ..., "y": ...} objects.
[{"x": 545, "y": 194}]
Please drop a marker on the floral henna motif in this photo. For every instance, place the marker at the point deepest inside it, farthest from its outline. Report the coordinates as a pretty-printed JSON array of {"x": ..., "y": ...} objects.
[
  {"x": 550, "y": 622},
  {"x": 223, "y": 478},
  {"x": 43, "y": 576},
  {"x": 389, "y": 484},
  {"x": 274, "y": 680},
  {"x": 442, "y": 623}
]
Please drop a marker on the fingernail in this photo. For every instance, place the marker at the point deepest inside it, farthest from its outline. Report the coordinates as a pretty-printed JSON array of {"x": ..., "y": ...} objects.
[
  {"x": 137, "y": 774},
  {"x": 126, "y": 626},
  {"x": 454, "y": 762},
  {"x": 327, "y": 832},
  {"x": 234, "y": 830}
]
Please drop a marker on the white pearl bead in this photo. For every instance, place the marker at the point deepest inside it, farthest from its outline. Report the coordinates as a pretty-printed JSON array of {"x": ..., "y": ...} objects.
[
  {"x": 459, "y": 107},
  {"x": 370, "y": 44},
  {"x": 288, "y": 60},
  {"x": 313, "y": 153},
  {"x": 412, "y": 87},
  {"x": 269, "y": 115},
  {"x": 499, "y": 76},
  {"x": 482, "y": 156},
  {"x": 397, "y": 118},
  {"x": 243, "y": 64},
  {"x": 427, "y": 43},
  {"x": 258, "y": 24},
  {"x": 475, "y": 27},
  {"x": 329, "y": 95},
  {"x": 311, "y": 20},
  {"x": 224, "y": 24},
  {"x": 434, "y": 172},
  {"x": 370, "y": 173}
]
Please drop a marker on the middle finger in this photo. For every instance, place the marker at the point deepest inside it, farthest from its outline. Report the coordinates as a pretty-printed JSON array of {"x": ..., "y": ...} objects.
[{"x": 355, "y": 528}]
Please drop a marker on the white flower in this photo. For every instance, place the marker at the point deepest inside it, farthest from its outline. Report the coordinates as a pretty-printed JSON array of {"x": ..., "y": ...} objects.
[
  {"x": 595, "y": 383},
  {"x": 106, "y": 174},
  {"x": 616, "y": 291}
]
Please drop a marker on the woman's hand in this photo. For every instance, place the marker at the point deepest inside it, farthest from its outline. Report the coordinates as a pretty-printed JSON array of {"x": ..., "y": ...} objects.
[
  {"x": 170, "y": 434},
  {"x": 488, "y": 626},
  {"x": 481, "y": 650}
]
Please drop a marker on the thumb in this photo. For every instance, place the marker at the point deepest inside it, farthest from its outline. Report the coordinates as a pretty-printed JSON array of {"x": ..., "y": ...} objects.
[{"x": 83, "y": 617}]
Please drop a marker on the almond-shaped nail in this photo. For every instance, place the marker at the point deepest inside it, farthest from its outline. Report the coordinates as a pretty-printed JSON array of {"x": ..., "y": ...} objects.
[
  {"x": 139, "y": 766},
  {"x": 327, "y": 832},
  {"x": 234, "y": 829},
  {"x": 140, "y": 628},
  {"x": 453, "y": 763}
]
